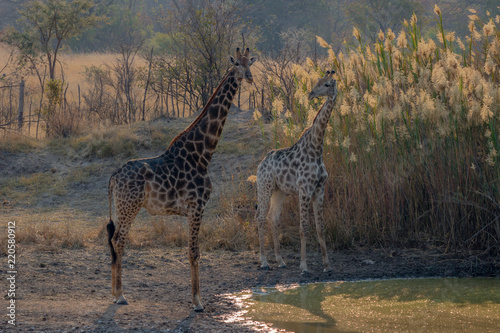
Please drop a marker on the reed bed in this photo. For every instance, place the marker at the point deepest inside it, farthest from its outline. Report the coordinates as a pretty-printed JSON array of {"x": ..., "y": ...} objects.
[{"x": 412, "y": 146}]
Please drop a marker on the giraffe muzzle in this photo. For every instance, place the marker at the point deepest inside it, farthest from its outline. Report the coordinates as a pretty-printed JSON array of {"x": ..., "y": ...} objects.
[{"x": 249, "y": 77}]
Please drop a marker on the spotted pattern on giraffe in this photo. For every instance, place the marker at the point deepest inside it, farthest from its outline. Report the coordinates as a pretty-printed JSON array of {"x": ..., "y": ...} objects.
[
  {"x": 297, "y": 170},
  {"x": 176, "y": 182}
]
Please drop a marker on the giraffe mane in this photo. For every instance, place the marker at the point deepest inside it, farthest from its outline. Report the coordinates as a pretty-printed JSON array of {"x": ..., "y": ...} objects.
[
  {"x": 203, "y": 112},
  {"x": 317, "y": 114},
  {"x": 309, "y": 127}
]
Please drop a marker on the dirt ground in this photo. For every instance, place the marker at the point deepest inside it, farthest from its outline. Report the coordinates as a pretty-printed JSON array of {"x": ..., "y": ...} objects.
[{"x": 69, "y": 290}]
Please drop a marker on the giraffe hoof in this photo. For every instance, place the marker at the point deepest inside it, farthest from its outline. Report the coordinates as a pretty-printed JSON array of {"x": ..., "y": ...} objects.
[
  {"x": 265, "y": 268},
  {"x": 328, "y": 270},
  {"x": 121, "y": 300},
  {"x": 199, "y": 309},
  {"x": 305, "y": 274},
  {"x": 283, "y": 265}
]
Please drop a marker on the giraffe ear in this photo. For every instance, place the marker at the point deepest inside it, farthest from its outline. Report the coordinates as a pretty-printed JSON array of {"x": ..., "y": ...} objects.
[
  {"x": 232, "y": 60},
  {"x": 252, "y": 60}
]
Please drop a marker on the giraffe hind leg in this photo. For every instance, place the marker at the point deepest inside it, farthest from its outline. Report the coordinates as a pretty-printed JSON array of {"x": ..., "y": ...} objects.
[
  {"x": 304, "y": 201},
  {"x": 111, "y": 232},
  {"x": 318, "y": 200},
  {"x": 264, "y": 196},
  {"x": 122, "y": 227},
  {"x": 277, "y": 199}
]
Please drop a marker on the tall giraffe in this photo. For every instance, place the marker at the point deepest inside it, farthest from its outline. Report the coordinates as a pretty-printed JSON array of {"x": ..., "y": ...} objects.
[
  {"x": 300, "y": 170},
  {"x": 176, "y": 182}
]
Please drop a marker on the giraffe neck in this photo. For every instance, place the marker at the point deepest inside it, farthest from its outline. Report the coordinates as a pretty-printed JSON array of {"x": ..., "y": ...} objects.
[
  {"x": 201, "y": 137},
  {"x": 318, "y": 127}
]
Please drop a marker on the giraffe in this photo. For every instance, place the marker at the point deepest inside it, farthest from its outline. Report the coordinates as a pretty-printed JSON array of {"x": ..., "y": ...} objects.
[
  {"x": 176, "y": 182},
  {"x": 300, "y": 170}
]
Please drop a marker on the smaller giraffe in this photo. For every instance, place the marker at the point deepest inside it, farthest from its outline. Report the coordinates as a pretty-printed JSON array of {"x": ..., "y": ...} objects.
[{"x": 297, "y": 170}]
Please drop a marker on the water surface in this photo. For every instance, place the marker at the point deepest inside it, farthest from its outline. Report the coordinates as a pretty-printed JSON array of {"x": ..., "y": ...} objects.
[{"x": 399, "y": 305}]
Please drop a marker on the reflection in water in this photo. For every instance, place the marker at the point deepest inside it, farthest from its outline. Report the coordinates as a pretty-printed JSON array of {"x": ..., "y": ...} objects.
[{"x": 401, "y": 305}]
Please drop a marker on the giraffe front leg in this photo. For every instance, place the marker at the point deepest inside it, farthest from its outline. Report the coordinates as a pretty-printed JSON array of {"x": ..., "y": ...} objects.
[
  {"x": 194, "y": 256},
  {"x": 262, "y": 243},
  {"x": 318, "y": 202},
  {"x": 304, "y": 219}
]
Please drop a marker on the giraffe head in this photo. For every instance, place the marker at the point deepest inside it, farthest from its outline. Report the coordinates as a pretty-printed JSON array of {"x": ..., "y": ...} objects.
[
  {"x": 326, "y": 86},
  {"x": 241, "y": 65}
]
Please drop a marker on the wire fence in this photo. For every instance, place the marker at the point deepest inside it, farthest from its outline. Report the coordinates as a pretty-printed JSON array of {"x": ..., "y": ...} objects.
[
  {"x": 16, "y": 110},
  {"x": 21, "y": 108}
]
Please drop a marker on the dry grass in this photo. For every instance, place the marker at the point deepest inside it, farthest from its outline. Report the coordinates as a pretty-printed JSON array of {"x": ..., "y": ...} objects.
[
  {"x": 14, "y": 142},
  {"x": 29, "y": 188},
  {"x": 100, "y": 142},
  {"x": 228, "y": 232},
  {"x": 48, "y": 236}
]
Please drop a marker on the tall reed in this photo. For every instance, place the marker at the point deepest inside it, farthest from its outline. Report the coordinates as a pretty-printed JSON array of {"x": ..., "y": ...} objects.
[{"x": 412, "y": 145}]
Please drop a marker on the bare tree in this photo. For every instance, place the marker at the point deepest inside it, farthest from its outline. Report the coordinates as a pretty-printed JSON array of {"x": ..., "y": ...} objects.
[
  {"x": 280, "y": 66},
  {"x": 203, "y": 33},
  {"x": 46, "y": 24},
  {"x": 126, "y": 73}
]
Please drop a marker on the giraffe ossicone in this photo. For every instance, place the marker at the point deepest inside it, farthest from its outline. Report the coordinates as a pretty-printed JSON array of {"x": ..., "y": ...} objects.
[
  {"x": 297, "y": 170},
  {"x": 176, "y": 182}
]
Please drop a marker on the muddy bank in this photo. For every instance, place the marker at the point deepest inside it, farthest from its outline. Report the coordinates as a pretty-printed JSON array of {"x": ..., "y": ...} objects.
[{"x": 69, "y": 290}]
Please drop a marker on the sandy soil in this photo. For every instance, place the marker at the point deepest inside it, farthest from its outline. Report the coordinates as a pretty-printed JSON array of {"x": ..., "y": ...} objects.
[{"x": 69, "y": 290}]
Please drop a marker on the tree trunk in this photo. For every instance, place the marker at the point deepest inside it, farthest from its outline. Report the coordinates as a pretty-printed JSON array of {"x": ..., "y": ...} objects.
[
  {"x": 20, "y": 112},
  {"x": 184, "y": 103},
  {"x": 262, "y": 103},
  {"x": 172, "y": 98},
  {"x": 147, "y": 84},
  {"x": 10, "y": 105},
  {"x": 177, "y": 99}
]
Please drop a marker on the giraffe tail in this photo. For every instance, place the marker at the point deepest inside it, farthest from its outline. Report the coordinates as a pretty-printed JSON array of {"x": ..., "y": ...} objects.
[
  {"x": 111, "y": 232},
  {"x": 111, "y": 225}
]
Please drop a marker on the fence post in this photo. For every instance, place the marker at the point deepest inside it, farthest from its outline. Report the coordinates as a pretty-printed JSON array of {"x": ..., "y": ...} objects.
[
  {"x": 20, "y": 115},
  {"x": 29, "y": 117},
  {"x": 79, "y": 99}
]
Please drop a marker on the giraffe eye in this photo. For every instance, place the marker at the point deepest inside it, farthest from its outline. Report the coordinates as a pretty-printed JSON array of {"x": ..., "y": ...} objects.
[
  {"x": 237, "y": 63},
  {"x": 327, "y": 84}
]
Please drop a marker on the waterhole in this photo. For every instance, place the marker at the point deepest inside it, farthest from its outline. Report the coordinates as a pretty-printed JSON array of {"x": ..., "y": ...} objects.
[{"x": 397, "y": 305}]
